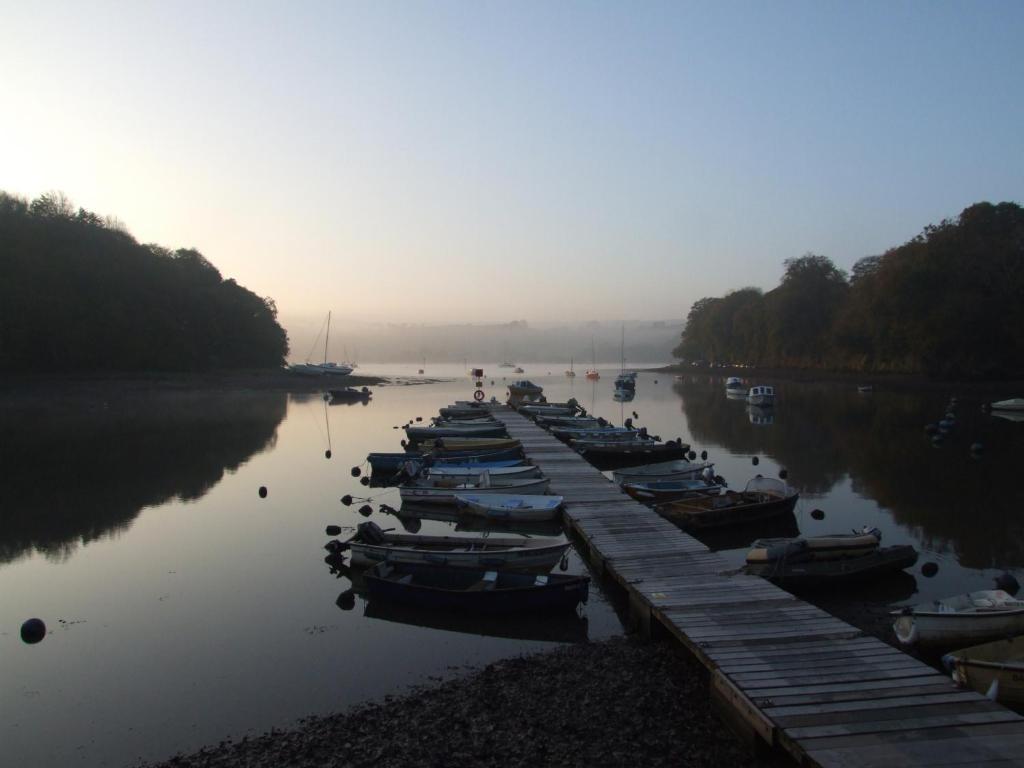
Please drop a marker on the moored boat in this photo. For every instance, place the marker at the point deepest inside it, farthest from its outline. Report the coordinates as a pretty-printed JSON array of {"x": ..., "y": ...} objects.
[
  {"x": 680, "y": 469},
  {"x": 372, "y": 545},
  {"x": 761, "y": 395},
  {"x": 464, "y": 472},
  {"x": 626, "y": 453},
  {"x": 467, "y": 589},
  {"x": 349, "y": 394},
  {"x": 653, "y": 491},
  {"x": 448, "y": 445},
  {"x": 995, "y": 669},
  {"x": 829, "y": 547},
  {"x": 1013, "y": 404},
  {"x": 444, "y": 491},
  {"x": 423, "y": 434},
  {"x": 395, "y": 462},
  {"x": 735, "y": 384},
  {"x": 512, "y": 507},
  {"x": 794, "y": 573},
  {"x": 524, "y": 388},
  {"x": 961, "y": 619},
  {"x": 762, "y": 498}
]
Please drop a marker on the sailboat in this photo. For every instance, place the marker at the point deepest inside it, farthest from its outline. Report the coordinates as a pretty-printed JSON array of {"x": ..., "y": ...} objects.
[
  {"x": 570, "y": 373},
  {"x": 625, "y": 382},
  {"x": 325, "y": 368},
  {"x": 592, "y": 373}
]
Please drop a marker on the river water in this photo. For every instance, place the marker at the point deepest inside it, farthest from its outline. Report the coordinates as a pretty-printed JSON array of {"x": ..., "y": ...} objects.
[{"x": 182, "y": 608}]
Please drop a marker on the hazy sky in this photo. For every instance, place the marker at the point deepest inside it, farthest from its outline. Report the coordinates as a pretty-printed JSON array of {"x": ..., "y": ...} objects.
[{"x": 489, "y": 161}]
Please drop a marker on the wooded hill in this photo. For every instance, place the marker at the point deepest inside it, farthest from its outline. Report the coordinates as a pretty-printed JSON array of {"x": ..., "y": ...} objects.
[
  {"x": 78, "y": 293},
  {"x": 949, "y": 303}
]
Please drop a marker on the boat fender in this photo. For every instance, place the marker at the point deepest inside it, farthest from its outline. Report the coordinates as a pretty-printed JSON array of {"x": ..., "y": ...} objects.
[
  {"x": 333, "y": 530},
  {"x": 355, "y": 471},
  {"x": 263, "y": 491},
  {"x": 818, "y": 514},
  {"x": 949, "y": 662},
  {"x": 563, "y": 564},
  {"x": 755, "y": 461},
  {"x": 366, "y": 510},
  {"x": 346, "y": 500},
  {"x": 364, "y": 480},
  {"x": 691, "y": 455},
  {"x": 928, "y": 570},
  {"x": 708, "y": 474},
  {"x": 643, "y": 431},
  {"x": 783, "y": 473},
  {"x": 333, "y": 546},
  {"x": 346, "y": 600},
  {"x": 1008, "y": 583},
  {"x": 327, "y": 453}
]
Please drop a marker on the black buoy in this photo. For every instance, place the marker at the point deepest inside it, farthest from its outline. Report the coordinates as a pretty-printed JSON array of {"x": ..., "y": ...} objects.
[
  {"x": 333, "y": 530},
  {"x": 655, "y": 381},
  {"x": 346, "y": 600},
  {"x": 419, "y": 418},
  {"x": 364, "y": 480},
  {"x": 346, "y": 500},
  {"x": 704, "y": 455},
  {"x": 755, "y": 461},
  {"x": 635, "y": 416},
  {"x": 783, "y": 473},
  {"x": 32, "y": 631},
  {"x": 395, "y": 427},
  {"x": 356, "y": 471},
  {"x": 1007, "y": 582},
  {"x": 403, "y": 443},
  {"x": 366, "y": 510},
  {"x": 692, "y": 455},
  {"x": 263, "y": 491},
  {"x": 327, "y": 453},
  {"x": 818, "y": 514},
  {"x": 929, "y": 569}
]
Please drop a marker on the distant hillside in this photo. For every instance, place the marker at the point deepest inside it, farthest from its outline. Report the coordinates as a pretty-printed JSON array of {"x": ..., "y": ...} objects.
[
  {"x": 78, "y": 293},
  {"x": 947, "y": 303}
]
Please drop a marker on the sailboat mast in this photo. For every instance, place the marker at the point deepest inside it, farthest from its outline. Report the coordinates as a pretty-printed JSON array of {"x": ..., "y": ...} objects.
[{"x": 328, "y": 336}]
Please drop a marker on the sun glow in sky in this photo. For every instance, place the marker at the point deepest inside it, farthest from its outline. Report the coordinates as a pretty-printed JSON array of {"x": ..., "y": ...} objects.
[{"x": 443, "y": 161}]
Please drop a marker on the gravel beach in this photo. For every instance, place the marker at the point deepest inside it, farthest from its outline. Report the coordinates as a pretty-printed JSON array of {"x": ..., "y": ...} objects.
[{"x": 618, "y": 702}]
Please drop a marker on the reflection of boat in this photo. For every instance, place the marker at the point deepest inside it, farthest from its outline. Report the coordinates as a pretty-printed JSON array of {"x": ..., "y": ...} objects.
[
  {"x": 995, "y": 669},
  {"x": 563, "y": 627},
  {"x": 429, "y": 434},
  {"x": 761, "y": 395},
  {"x": 760, "y": 417},
  {"x": 465, "y": 589},
  {"x": 512, "y": 507},
  {"x": 763, "y": 497},
  {"x": 680, "y": 469},
  {"x": 389, "y": 463},
  {"x": 571, "y": 373},
  {"x": 435, "y": 491},
  {"x": 413, "y": 511},
  {"x": 373, "y": 545},
  {"x": 1013, "y": 404},
  {"x": 624, "y": 395},
  {"x": 961, "y": 619},
  {"x": 740, "y": 536},
  {"x": 1017, "y": 416},
  {"x": 652, "y": 491},
  {"x": 824, "y": 573},
  {"x": 349, "y": 394}
]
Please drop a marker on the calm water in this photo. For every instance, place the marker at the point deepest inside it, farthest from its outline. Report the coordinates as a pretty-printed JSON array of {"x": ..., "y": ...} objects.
[{"x": 183, "y": 608}]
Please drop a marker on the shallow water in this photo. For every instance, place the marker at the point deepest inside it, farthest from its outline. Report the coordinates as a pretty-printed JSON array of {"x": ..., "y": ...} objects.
[{"x": 183, "y": 608}]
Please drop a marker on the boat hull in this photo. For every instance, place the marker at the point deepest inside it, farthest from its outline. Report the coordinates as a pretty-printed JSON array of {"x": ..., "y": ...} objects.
[
  {"x": 825, "y": 573},
  {"x": 494, "y": 508},
  {"x": 439, "y": 494},
  {"x": 692, "y": 517},
  {"x": 680, "y": 469},
  {"x": 995, "y": 668},
  {"x": 459, "y": 555}
]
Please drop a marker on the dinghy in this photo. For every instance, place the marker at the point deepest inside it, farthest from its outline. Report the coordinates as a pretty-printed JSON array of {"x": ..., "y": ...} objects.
[
  {"x": 1013, "y": 404},
  {"x": 510, "y": 507},
  {"x": 763, "y": 498},
  {"x": 390, "y": 463},
  {"x": 449, "y": 471},
  {"x": 595, "y": 433},
  {"x": 441, "y": 491},
  {"x": 349, "y": 394},
  {"x": 547, "y": 410},
  {"x": 829, "y": 547},
  {"x": 429, "y": 434},
  {"x": 993, "y": 669},
  {"x": 962, "y": 619},
  {"x": 449, "y": 445},
  {"x": 652, "y": 491},
  {"x": 372, "y": 545},
  {"x": 807, "y": 573},
  {"x": 465, "y": 589},
  {"x": 680, "y": 469}
]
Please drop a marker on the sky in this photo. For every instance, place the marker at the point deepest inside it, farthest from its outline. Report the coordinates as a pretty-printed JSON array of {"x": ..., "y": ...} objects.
[{"x": 480, "y": 161}]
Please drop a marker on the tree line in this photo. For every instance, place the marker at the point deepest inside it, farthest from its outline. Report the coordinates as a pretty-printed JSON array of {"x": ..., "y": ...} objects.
[
  {"x": 948, "y": 303},
  {"x": 78, "y": 293}
]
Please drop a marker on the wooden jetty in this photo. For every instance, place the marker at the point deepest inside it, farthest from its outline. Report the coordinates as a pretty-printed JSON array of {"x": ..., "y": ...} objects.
[{"x": 782, "y": 671}]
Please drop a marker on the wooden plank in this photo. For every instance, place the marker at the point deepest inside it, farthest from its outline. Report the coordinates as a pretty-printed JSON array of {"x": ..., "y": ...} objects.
[
  {"x": 770, "y": 690},
  {"x": 737, "y": 700},
  {"x": 877, "y": 726}
]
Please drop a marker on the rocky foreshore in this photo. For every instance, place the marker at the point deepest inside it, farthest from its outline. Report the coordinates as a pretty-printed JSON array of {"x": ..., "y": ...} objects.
[{"x": 617, "y": 702}]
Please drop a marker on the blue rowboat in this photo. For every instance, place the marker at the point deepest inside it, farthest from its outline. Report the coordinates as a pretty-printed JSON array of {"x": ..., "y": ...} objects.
[{"x": 464, "y": 589}]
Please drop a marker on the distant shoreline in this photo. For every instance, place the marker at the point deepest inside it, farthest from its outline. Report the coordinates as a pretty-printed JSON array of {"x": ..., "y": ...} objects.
[{"x": 889, "y": 381}]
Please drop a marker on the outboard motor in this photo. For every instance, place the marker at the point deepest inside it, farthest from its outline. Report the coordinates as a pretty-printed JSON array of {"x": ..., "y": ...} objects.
[{"x": 709, "y": 475}]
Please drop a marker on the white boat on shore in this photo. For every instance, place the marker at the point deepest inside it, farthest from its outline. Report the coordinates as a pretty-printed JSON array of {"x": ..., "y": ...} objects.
[
  {"x": 510, "y": 507},
  {"x": 960, "y": 620}
]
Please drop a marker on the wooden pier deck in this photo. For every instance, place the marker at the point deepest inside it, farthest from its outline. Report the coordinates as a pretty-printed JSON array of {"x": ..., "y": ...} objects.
[{"x": 782, "y": 670}]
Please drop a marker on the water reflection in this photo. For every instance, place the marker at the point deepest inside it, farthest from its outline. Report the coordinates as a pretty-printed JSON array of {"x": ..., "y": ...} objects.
[
  {"x": 74, "y": 474},
  {"x": 948, "y": 498}
]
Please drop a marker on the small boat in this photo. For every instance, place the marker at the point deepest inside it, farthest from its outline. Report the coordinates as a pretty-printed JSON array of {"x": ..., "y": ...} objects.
[
  {"x": 524, "y": 388},
  {"x": 520, "y": 472},
  {"x": 422, "y": 434},
  {"x": 626, "y": 453},
  {"x": 834, "y": 546},
  {"x": 761, "y": 395},
  {"x": 567, "y": 421},
  {"x": 466, "y": 589},
  {"x": 680, "y": 469},
  {"x": 372, "y": 545},
  {"x": 444, "y": 491},
  {"x": 537, "y": 409},
  {"x": 761, "y": 415},
  {"x": 823, "y": 573},
  {"x": 460, "y": 411},
  {"x": 325, "y": 368},
  {"x": 1013, "y": 404},
  {"x": 518, "y": 369},
  {"x": 350, "y": 395},
  {"x": 511, "y": 507},
  {"x": 994, "y": 669},
  {"x": 595, "y": 433},
  {"x": 592, "y": 372},
  {"x": 411, "y": 514},
  {"x": 967, "y": 618},
  {"x": 654, "y": 491},
  {"x": 763, "y": 498},
  {"x": 448, "y": 445},
  {"x": 571, "y": 373},
  {"x": 394, "y": 462},
  {"x": 734, "y": 384}
]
